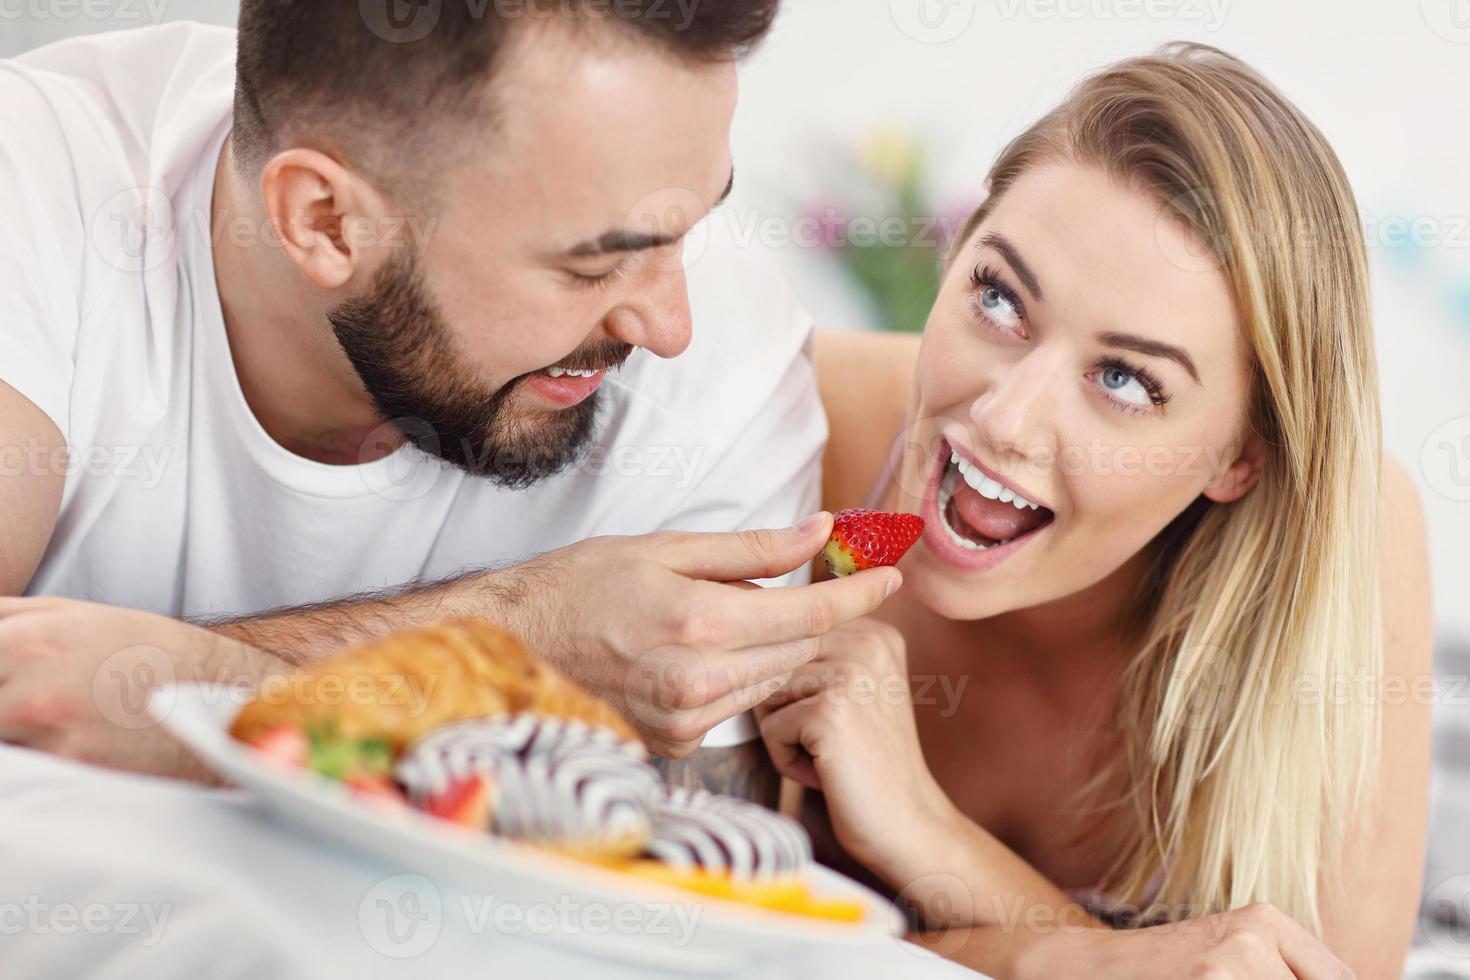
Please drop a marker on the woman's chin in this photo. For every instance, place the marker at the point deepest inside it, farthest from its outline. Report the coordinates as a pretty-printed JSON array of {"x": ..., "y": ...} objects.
[{"x": 928, "y": 581}]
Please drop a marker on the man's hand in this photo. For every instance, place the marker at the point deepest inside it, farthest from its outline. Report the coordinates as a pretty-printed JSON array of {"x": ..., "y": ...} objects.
[
  {"x": 666, "y": 628},
  {"x": 75, "y": 679}
]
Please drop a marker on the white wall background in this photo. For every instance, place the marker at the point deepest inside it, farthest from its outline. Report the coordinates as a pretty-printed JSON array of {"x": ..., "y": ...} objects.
[
  {"x": 1387, "y": 80},
  {"x": 27, "y": 23}
]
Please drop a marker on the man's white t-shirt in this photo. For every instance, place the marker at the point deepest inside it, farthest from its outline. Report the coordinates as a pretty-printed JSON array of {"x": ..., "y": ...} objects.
[{"x": 177, "y": 501}]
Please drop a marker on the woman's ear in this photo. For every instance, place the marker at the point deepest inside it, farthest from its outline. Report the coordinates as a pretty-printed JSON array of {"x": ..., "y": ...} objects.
[
  {"x": 311, "y": 201},
  {"x": 1241, "y": 474}
]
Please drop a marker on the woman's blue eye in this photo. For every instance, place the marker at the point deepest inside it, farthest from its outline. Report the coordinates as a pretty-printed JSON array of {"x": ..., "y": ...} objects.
[
  {"x": 1125, "y": 385},
  {"x": 991, "y": 300},
  {"x": 998, "y": 307}
]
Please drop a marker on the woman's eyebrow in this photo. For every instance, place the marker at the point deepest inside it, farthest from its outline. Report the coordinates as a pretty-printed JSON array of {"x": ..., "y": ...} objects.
[
  {"x": 1156, "y": 348},
  {"x": 1013, "y": 258}
]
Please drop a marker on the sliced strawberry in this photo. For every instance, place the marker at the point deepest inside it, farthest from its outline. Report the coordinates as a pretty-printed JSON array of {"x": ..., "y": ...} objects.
[
  {"x": 869, "y": 539},
  {"x": 466, "y": 802},
  {"x": 285, "y": 743}
]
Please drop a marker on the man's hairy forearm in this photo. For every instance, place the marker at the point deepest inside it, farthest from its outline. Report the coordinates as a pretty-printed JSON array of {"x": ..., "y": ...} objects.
[
  {"x": 509, "y": 596},
  {"x": 303, "y": 635}
]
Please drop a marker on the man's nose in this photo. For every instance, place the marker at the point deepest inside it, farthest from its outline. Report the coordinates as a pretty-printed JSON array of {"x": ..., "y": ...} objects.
[{"x": 657, "y": 316}]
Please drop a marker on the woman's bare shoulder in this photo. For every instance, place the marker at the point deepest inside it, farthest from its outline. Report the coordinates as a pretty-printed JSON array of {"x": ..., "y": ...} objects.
[
  {"x": 1404, "y": 573},
  {"x": 865, "y": 379}
]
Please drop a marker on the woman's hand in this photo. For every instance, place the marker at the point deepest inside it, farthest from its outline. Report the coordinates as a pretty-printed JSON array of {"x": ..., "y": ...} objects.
[
  {"x": 1256, "y": 942},
  {"x": 844, "y": 725}
]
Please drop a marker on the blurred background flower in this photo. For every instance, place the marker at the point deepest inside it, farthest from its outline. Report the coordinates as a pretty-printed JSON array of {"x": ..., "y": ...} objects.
[{"x": 885, "y": 226}]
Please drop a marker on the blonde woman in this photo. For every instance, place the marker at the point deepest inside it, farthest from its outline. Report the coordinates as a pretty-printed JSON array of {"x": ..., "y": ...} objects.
[{"x": 1157, "y": 689}]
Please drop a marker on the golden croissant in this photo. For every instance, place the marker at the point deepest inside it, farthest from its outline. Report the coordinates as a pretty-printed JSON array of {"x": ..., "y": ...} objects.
[{"x": 411, "y": 683}]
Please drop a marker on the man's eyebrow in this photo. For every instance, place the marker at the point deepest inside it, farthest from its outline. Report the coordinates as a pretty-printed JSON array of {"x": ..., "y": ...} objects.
[
  {"x": 1013, "y": 258},
  {"x": 622, "y": 240},
  {"x": 1155, "y": 348},
  {"x": 611, "y": 242}
]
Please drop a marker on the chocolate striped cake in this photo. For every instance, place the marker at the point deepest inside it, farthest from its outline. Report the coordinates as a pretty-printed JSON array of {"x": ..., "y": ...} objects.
[
  {"x": 562, "y": 783},
  {"x": 697, "y": 829}
]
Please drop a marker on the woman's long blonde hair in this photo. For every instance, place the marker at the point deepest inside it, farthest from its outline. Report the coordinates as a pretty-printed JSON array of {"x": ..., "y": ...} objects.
[{"x": 1248, "y": 716}]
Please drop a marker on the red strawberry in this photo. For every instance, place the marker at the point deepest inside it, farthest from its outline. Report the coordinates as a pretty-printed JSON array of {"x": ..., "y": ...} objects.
[
  {"x": 466, "y": 802},
  {"x": 285, "y": 743},
  {"x": 869, "y": 539}
]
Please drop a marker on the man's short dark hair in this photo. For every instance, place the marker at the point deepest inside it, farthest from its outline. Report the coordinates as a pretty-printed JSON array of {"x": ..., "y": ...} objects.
[{"x": 371, "y": 79}]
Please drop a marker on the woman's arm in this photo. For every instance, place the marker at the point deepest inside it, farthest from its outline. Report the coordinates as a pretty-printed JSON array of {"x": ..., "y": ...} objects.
[
  {"x": 844, "y": 725},
  {"x": 1370, "y": 902},
  {"x": 1369, "y": 916}
]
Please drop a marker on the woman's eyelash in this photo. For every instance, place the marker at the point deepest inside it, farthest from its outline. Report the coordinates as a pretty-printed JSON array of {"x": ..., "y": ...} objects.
[
  {"x": 984, "y": 277},
  {"x": 1151, "y": 384}
]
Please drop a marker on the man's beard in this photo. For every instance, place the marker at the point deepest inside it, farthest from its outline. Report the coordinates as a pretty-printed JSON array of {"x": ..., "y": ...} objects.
[{"x": 402, "y": 351}]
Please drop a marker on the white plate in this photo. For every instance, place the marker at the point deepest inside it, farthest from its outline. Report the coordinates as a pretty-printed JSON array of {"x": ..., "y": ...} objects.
[{"x": 712, "y": 934}]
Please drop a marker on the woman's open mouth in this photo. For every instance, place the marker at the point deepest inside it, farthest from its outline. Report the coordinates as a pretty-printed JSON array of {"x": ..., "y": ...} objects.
[{"x": 974, "y": 520}]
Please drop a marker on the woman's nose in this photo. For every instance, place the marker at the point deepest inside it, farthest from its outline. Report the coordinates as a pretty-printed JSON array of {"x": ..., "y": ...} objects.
[{"x": 1013, "y": 416}]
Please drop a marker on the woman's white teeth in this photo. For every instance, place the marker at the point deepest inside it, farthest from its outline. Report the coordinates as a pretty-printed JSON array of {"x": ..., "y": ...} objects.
[
  {"x": 988, "y": 488},
  {"x": 557, "y": 372},
  {"x": 946, "y": 494},
  {"x": 965, "y": 543}
]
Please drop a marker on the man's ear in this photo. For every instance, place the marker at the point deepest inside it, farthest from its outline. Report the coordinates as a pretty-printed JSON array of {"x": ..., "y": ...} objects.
[
  {"x": 314, "y": 204},
  {"x": 1241, "y": 474}
]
